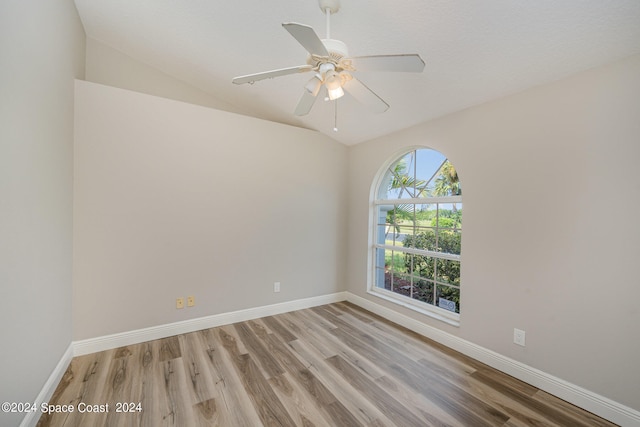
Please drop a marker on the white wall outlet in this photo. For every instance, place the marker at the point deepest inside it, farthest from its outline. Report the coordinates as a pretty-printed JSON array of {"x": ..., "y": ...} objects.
[
  {"x": 518, "y": 336},
  {"x": 276, "y": 287},
  {"x": 191, "y": 301},
  {"x": 180, "y": 302}
]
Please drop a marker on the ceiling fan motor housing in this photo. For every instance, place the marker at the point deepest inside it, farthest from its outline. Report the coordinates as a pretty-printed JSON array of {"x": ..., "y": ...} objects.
[{"x": 337, "y": 50}]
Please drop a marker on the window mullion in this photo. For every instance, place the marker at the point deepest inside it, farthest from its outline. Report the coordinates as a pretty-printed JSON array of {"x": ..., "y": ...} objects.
[
  {"x": 414, "y": 251},
  {"x": 437, "y": 224},
  {"x": 419, "y": 200}
]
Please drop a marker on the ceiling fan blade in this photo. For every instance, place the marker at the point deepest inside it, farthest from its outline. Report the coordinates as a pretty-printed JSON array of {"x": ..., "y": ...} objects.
[
  {"x": 408, "y": 63},
  {"x": 271, "y": 74},
  {"x": 304, "y": 105},
  {"x": 365, "y": 95},
  {"x": 307, "y": 37}
]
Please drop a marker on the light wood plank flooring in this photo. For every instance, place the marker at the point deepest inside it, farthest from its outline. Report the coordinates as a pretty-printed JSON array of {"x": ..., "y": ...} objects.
[{"x": 334, "y": 365}]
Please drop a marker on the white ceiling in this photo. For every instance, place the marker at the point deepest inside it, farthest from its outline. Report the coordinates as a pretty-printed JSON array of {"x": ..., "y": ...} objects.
[{"x": 475, "y": 51}]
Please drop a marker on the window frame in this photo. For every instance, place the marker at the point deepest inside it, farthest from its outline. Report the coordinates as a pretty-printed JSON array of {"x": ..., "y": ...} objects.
[{"x": 425, "y": 308}]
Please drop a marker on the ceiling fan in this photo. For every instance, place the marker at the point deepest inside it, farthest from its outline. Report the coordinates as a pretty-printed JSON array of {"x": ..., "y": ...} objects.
[{"x": 329, "y": 60}]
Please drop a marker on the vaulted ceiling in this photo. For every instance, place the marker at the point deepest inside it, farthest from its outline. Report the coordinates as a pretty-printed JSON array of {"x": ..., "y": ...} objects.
[{"x": 474, "y": 51}]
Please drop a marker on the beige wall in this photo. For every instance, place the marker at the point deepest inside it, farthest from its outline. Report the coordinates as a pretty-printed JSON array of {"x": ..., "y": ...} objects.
[
  {"x": 41, "y": 51},
  {"x": 109, "y": 66},
  {"x": 551, "y": 240},
  {"x": 173, "y": 199}
]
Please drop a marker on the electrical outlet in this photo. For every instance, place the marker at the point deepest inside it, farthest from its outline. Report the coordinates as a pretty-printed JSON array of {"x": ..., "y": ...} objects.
[
  {"x": 191, "y": 301},
  {"x": 180, "y": 302},
  {"x": 518, "y": 336},
  {"x": 276, "y": 287}
]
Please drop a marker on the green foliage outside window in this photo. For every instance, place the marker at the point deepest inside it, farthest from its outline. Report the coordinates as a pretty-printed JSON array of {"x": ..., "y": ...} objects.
[{"x": 435, "y": 271}]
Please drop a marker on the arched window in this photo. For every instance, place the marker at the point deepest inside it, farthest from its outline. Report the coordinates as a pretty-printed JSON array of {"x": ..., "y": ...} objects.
[{"x": 417, "y": 228}]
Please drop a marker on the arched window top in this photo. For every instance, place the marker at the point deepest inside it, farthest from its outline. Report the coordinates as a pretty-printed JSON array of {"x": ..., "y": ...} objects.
[{"x": 420, "y": 173}]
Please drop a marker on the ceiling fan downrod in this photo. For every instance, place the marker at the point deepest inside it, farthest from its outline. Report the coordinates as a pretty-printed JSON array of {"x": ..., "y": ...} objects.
[
  {"x": 329, "y": 7},
  {"x": 328, "y": 20}
]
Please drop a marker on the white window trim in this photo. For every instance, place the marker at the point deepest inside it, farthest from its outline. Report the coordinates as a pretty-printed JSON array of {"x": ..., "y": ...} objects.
[{"x": 425, "y": 309}]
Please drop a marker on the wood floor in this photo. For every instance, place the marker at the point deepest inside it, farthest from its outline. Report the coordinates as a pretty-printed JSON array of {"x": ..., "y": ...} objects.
[{"x": 334, "y": 365}]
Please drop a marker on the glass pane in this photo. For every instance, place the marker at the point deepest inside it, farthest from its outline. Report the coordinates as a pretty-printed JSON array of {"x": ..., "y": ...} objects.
[
  {"x": 446, "y": 182},
  {"x": 421, "y": 229},
  {"x": 381, "y": 223},
  {"x": 449, "y": 216},
  {"x": 423, "y": 266},
  {"x": 408, "y": 264},
  {"x": 423, "y": 291},
  {"x": 450, "y": 298},
  {"x": 405, "y": 215},
  {"x": 424, "y": 214},
  {"x": 449, "y": 242},
  {"x": 448, "y": 271},
  {"x": 387, "y": 222},
  {"x": 386, "y": 190},
  {"x": 394, "y": 265},
  {"x": 380, "y": 258},
  {"x": 425, "y": 238},
  {"x": 401, "y": 184},
  {"x": 406, "y": 227},
  {"x": 380, "y": 277},
  {"x": 428, "y": 163},
  {"x": 402, "y": 284},
  {"x": 383, "y": 216},
  {"x": 393, "y": 239}
]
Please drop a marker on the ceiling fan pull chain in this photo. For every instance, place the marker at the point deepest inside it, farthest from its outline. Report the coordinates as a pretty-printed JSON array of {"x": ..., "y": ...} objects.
[{"x": 335, "y": 117}]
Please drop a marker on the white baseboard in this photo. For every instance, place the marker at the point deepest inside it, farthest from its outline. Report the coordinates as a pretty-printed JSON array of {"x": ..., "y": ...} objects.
[
  {"x": 576, "y": 395},
  {"x": 31, "y": 419},
  {"x": 108, "y": 342}
]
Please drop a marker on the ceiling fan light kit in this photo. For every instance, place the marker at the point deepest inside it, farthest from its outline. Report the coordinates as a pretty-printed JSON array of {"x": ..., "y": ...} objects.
[
  {"x": 334, "y": 85},
  {"x": 314, "y": 84},
  {"x": 333, "y": 66}
]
